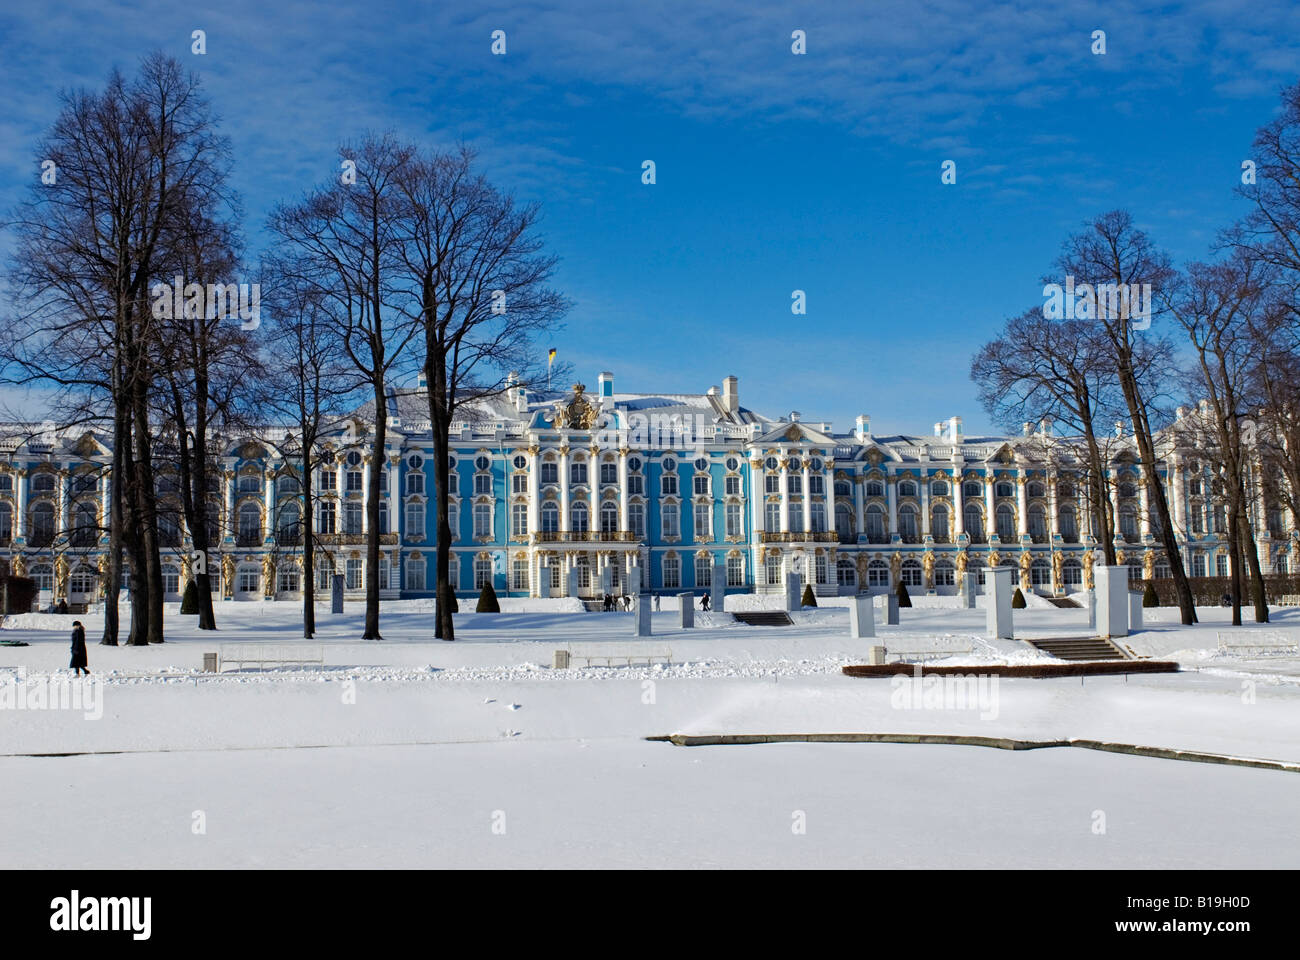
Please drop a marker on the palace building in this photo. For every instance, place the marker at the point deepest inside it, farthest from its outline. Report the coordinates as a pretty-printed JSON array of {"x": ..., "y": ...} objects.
[{"x": 687, "y": 487}]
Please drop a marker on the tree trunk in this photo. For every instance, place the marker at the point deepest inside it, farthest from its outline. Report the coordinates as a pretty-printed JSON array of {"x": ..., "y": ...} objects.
[{"x": 372, "y": 513}]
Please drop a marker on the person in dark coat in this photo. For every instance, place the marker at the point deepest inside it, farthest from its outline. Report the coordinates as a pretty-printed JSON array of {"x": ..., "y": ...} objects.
[
  {"x": 78, "y": 663},
  {"x": 704, "y": 602}
]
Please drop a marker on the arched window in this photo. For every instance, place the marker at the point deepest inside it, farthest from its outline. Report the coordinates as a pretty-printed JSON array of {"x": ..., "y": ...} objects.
[
  {"x": 907, "y": 488},
  {"x": 772, "y": 517},
  {"x": 818, "y": 517},
  {"x": 907, "y": 523},
  {"x": 1072, "y": 573},
  {"x": 1069, "y": 522},
  {"x": 636, "y": 519},
  {"x": 42, "y": 525},
  {"x": 482, "y": 520},
  {"x": 939, "y": 488},
  {"x": 1006, "y": 519},
  {"x": 6, "y": 523},
  {"x": 579, "y": 520},
  {"x": 772, "y": 568},
  {"x": 86, "y": 522},
  {"x": 877, "y": 573},
  {"x": 972, "y": 488},
  {"x": 1038, "y": 524},
  {"x": 329, "y": 517},
  {"x": 704, "y": 571},
  {"x": 875, "y": 524},
  {"x": 844, "y": 523},
  {"x": 672, "y": 572},
  {"x": 875, "y": 488},
  {"x": 735, "y": 570},
  {"x": 1003, "y": 488},
  {"x": 911, "y": 573},
  {"x": 482, "y": 572},
  {"x": 939, "y": 524},
  {"x": 250, "y": 525},
  {"x": 550, "y": 517},
  {"x": 670, "y": 520},
  {"x": 519, "y": 521},
  {"x": 415, "y": 521},
  {"x": 1128, "y": 526},
  {"x": 973, "y": 520},
  {"x": 945, "y": 575},
  {"x": 609, "y": 517},
  {"x": 290, "y": 532},
  {"x": 1040, "y": 573},
  {"x": 846, "y": 574}
]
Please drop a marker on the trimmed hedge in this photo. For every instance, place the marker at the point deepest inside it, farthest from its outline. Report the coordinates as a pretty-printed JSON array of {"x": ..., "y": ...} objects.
[
  {"x": 487, "y": 600},
  {"x": 17, "y": 594},
  {"x": 1209, "y": 591},
  {"x": 1149, "y": 598},
  {"x": 904, "y": 600},
  {"x": 190, "y": 599},
  {"x": 809, "y": 600}
]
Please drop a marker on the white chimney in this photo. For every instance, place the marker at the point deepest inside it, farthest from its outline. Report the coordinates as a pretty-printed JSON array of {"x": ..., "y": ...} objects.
[
  {"x": 1045, "y": 425},
  {"x": 938, "y": 429},
  {"x": 954, "y": 429},
  {"x": 730, "y": 394},
  {"x": 605, "y": 390},
  {"x": 1026, "y": 428},
  {"x": 1119, "y": 428},
  {"x": 794, "y": 416},
  {"x": 862, "y": 427}
]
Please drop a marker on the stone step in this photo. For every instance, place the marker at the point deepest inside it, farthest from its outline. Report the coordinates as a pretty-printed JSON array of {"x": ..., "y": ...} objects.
[
  {"x": 1080, "y": 648},
  {"x": 765, "y": 618}
]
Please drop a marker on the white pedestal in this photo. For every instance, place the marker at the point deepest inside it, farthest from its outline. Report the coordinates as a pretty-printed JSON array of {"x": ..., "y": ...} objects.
[
  {"x": 687, "y": 602},
  {"x": 998, "y": 590},
  {"x": 1112, "y": 601},
  {"x": 862, "y": 618}
]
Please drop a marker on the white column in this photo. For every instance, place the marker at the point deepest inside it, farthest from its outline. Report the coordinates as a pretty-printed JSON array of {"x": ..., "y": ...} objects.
[
  {"x": 394, "y": 517},
  {"x": 564, "y": 496},
  {"x": 807, "y": 497},
  {"x": 228, "y": 499},
  {"x": 785, "y": 495},
  {"x": 1022, "y": 505},
  {"x": 990, "y": 515},
  {"x": 1144, "y": 494},
  {"x": 925, "y": 506},
  {"x": 65, "y": 499},
  {"x": 106, "y": 504},
  {"x": 757, "y": 499},
  {"x": 269, "y": 479},
  {"x": 20, "y": 521},
  {"x": 1114, "y": 505},
  {"x": 1053, "y": 508},
  {"x": 593, "y": 492},
  {"x": 622, "y": 489},
  {"x": 534, "y": 496},
  {"x": 859, "y": 505},
  {"x": 891, "y": 499},
  {"x": 365, "y": 487},
  {"x": 958, "y": 516},
  {"x": 828, "y": 493}
]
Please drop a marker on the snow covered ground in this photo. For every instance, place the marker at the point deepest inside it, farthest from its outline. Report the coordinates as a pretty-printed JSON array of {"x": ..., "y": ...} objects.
[{"x": 412, "y": 752}]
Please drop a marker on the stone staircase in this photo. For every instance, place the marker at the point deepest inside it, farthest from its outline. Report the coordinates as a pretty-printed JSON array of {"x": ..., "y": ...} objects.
[
  {"x": 1064, "y": 602},
  {"x": 765, "y": 618},
  {"x": 1081, "y": 648}
]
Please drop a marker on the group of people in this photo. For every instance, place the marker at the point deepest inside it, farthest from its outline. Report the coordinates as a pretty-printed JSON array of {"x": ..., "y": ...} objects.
[{"x": 625, "y": 602}]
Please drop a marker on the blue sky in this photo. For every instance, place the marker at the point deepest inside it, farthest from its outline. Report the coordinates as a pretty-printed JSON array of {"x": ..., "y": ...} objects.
[{"x": 775, "y": 172}]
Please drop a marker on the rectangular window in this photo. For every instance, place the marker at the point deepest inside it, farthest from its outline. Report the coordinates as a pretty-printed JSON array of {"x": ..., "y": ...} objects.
[
  {"x": 669, "y": 521},
  {"x": 519, "y": 483},
  {"x": 701, "y": 481},
  {"x": 550, "y": 472},
  {"x": 672, "y": 573},
  {"x": 354, "y": 573},
  {"x": 608, "y": 473},
  {"x": 635, "y": 484},
  {"x": 702, "y": 526},
  {"x": 415, "y": 574},
  {"x": 733, "y": 486},
  {"x": 817, "y": 485},
  {"x": 482, "y": 483},
  {"x": 354, "y": 480},
  {"x": 668, "y": 485},
  {"x": 772, "y": 483},
  {"x": 327, "y": 479},
  {"x": 482, "y": 520}
]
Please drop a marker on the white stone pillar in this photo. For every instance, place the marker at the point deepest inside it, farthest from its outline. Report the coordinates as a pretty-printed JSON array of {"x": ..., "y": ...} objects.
[
  {"x": 807, "y": 499},
  {"x": 785, "y": 495},
  {"x": 365, "y": 493},
  {"x": 65, "y": 499},
  {"x": 564, "y": 490},
  {"x": 1053, "y": 510},
  {"x": 990, "y": 508},
  {"x": 593, "y": 491},
  {"x": 394, "y": 514},
  {"x": 1114, "y": 505},
  {"x": 891, "y": 501},
  {"x": 1022, "y": 506},
  {"x": 20, "y": 521},
  {"x": 859, "y": 505},
  {"x": 925, "y": 506},
  {"x": 1144, "y": 493},
  {"x": 958, "y": 512},
  {"x": 828, "y": 493},
  {"x": 271, "y": 514},
  {"x": 623, "y": 523}
]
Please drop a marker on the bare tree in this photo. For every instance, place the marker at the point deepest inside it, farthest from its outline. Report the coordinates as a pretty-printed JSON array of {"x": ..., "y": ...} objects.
[
  {"x": 341, "y": 243},
  {"x": 1107, "y": 260},
  {"x": 475, "y": 261},
  {"x": 1053, "y": 368},
  {"x": 1215, "y": 305},
  {"x": 127, "y": 163}
]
